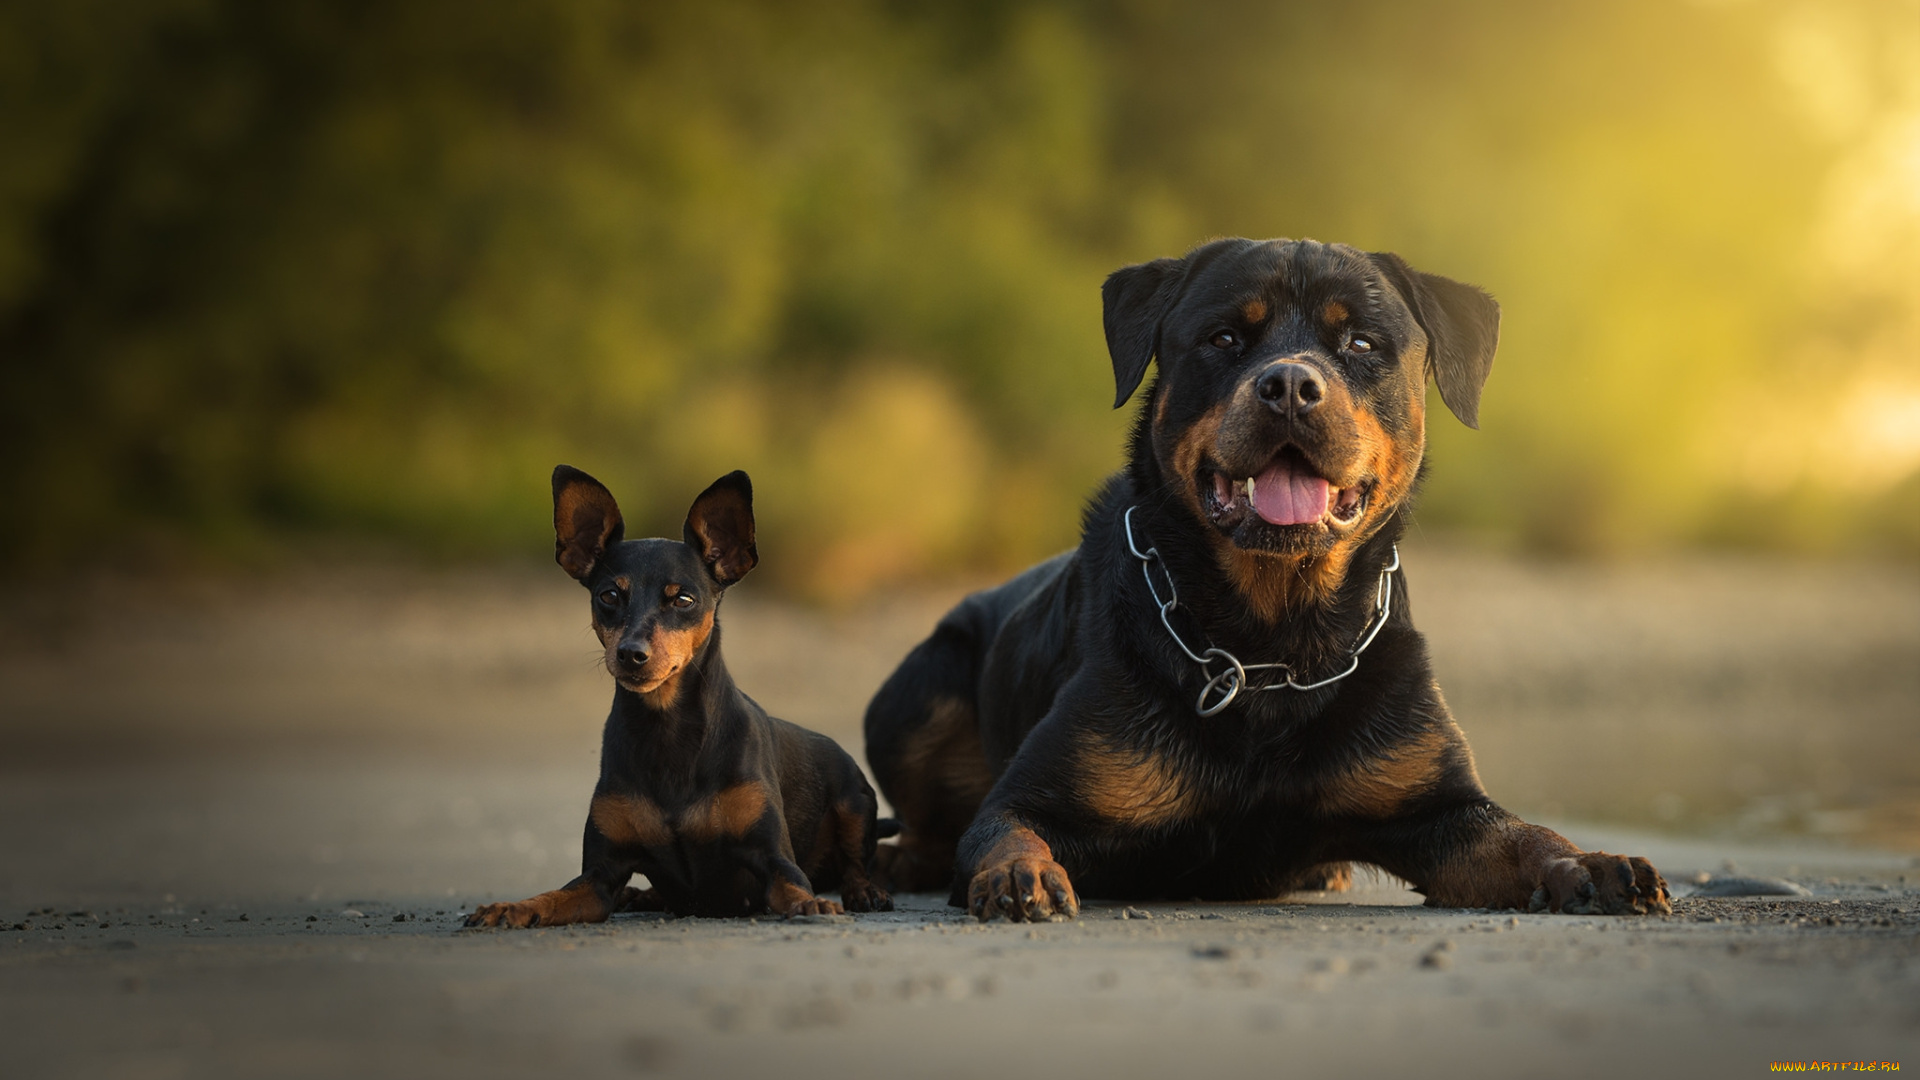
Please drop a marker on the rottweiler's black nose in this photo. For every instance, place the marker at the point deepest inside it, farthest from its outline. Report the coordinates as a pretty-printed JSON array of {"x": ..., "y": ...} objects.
[
  {"x": 1291, "y": 389},
  {"x": 633, "y": 652}
]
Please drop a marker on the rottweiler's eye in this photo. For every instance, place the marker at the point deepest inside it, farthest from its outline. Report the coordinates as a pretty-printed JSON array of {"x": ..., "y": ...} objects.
[
  {"x": 610, "y": 597},
  {"x": 681, "y": 601},
  {"x": 1225, "y": 339},
  {"x": 1359, "y": 343}
]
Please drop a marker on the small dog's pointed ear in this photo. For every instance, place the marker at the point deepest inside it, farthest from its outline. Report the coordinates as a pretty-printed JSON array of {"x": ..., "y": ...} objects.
[
  {"x": 1133, "y": 302},
  {"x": 586, "y": 521},
  {"x": 1463, "y": 329},
  {"x": 720, "y": 528}
]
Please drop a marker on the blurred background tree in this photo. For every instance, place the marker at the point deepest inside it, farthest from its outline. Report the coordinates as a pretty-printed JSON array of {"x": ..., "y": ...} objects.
[{"x": 278, "y": 273}]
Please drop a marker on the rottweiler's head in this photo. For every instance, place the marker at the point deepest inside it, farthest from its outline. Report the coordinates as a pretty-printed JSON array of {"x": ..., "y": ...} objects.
[
  {"x": 654, "y": 601},
  {"x": 1289, "y": 416}
]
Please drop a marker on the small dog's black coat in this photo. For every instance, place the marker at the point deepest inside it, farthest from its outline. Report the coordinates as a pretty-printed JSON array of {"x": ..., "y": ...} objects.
[
  {"x": 726, "y": 810},
  {"x": 1043, "y": 743}
]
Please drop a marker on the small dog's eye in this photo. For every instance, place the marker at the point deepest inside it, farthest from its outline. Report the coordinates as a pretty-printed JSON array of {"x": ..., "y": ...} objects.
[
  {"x": 1225, "y": 339},
  {"x": 1360, "y": 343},
  {"x": 682, "y": 601},
  {"x": 610, "y": 597}
]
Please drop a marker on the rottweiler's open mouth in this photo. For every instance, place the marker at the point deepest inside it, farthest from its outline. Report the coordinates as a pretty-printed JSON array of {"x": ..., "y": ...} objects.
[{"x": 1288, "y": 492}]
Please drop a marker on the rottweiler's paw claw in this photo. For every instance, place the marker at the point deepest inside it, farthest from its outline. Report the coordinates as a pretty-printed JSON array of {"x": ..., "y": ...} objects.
[
  {"x": 1024, "y": 890},
  {"x": 1596, "y": 883}
]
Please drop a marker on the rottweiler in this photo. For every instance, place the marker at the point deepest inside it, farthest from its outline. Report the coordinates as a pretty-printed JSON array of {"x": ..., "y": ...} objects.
[
  {"x": 1220, "y": 693},
  {"x": 726, "y": 810}
]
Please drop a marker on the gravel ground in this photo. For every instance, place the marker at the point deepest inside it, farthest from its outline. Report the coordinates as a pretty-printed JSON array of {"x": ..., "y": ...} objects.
[
  {"x": 1335, "y": 986},
  {"x": 243, "y": 819}
]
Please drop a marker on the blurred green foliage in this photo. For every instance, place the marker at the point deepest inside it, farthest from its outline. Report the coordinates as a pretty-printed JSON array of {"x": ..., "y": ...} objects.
[{"x": 301, "y": 269}]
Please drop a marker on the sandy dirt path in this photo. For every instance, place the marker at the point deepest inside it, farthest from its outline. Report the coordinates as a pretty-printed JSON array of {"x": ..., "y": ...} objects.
[
  {"x": 240, "y": 979},
  {"x": 237, "y": 843}
]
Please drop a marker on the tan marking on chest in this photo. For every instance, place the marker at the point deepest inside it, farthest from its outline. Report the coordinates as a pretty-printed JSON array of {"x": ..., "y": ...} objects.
[
  {"x": 1271, "y": 585},
  {"x": 1135, "y": 788},
  {"x": 730, "y": 812},
  {"x": 1377, "y": 787},
  {"x": 630, "y": 821}
]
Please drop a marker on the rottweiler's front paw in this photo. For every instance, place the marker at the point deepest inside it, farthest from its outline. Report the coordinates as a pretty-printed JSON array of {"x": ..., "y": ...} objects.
[
  {"x": 1597, "y": 883},
  {"x": 814, "y": 905},
  {"x": 520, "y": 914},
  {"x": 866, "y": 897},
  {"x": 1024, "y": 890}
]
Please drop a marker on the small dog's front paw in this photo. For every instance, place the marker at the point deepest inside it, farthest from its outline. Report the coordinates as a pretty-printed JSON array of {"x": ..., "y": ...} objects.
[
  {"x": 519, "y": 914},
  {"x": 1023, "y": 889},
  {"x": 866, "y": 897},
  {"x": 574, "y": 904},
  {"x": 1597, "y": 883},
  {"x": 788, "y": 899},
  {"x": 814, "y": 905}
]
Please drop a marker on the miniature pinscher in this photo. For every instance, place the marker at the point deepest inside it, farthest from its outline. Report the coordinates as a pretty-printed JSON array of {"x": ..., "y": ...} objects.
[{"x": 726, "y": 810}]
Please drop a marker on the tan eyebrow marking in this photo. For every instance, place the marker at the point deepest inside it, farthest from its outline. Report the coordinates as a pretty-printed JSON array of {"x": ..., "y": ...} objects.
[
  {"x": 672, "y": 590},
  {"x": 1254, "y": 311},
  {"x": 1334, "y": 312}
]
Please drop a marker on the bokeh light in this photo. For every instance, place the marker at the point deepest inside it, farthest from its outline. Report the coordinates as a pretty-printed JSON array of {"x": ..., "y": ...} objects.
[{"x": 272, "y": 273}]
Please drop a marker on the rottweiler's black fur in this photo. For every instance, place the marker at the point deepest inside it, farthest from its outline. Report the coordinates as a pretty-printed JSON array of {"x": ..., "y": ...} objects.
[
  {"x": 726, "y": 810},
  {"x": 1044, "y": 742}
]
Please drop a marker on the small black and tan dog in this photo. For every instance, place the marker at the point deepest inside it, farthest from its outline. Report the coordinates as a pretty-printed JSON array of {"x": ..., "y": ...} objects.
[
  {"x": 1219, "y": 694},
  {"x": 726, "y": 810}
]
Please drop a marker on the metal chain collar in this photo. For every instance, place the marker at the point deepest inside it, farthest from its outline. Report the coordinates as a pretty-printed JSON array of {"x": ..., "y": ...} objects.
[{"x": 1233, "y": 678}]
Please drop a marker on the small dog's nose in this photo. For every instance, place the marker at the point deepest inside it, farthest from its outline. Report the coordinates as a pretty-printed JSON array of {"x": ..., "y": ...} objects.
[
  {"x": 1291, "y": 389},
  {"x": 633, "y": 652}
]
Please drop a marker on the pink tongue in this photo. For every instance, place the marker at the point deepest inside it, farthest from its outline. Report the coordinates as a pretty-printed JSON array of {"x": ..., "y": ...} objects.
[{"x": 1288, "y": 494}]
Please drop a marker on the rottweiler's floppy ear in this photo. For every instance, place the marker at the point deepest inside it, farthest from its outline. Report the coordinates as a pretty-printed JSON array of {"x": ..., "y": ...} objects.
[
  {"x": 720, "y": 528},
  {"x": 586, "y": 521},
  {"x": 1134, "y": 300},
  {"x": 1463, "y": 328}
]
